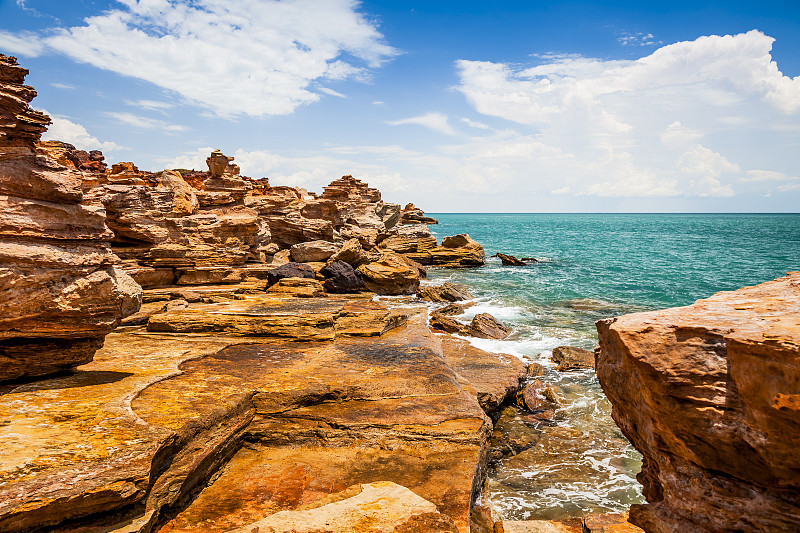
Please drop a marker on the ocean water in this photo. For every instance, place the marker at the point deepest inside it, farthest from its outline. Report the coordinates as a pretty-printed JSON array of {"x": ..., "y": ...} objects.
[{"x": 594, "y": 266}]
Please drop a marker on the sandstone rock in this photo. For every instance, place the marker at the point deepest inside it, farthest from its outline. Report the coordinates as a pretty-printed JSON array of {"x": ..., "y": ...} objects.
[
  {"x": 444, "y": 323},
  {"x": 59, "y": 289},
  {"x": 708, "y": 393},
  {"x": 535, "y": 370},
  {"x": 453, "y": 309},
  {"x": 571, "y": 358},
  {"x": 509, "y": 260},
  {"x": 391, "y": 274},
  {"x": 411, "y": 214},
  {"x": 486, "y": 326},
  {"x": 538, "y": 396},
  {"x": 446, "y": 292},
  {"x": 408, "y": 239},
  {"x": 455, "y": 251},
  {"x": 183, "y": 198},
  {"x": 512, "y": 433},
  {"x": 313, "y": 251},
  {"x": 379, "y": 507},
  {"x": 351, "y": 253},
  {"x": 494, "y": 377},
  {"x": 290, "y": 270},
  {"x": 341, "y": 277},
  {"x": 298, "y": 288}
]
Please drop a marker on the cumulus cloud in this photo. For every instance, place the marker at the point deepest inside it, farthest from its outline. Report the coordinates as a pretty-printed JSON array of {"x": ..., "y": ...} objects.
[
  {"x": 251, "y": 57},
  {"x": 662, "y": 125},
  {"x": 73, "y": 133},
  {"x": 433, "y": 121}
]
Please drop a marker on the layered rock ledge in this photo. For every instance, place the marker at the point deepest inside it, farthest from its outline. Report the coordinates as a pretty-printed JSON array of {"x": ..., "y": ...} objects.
[
  {"x": 710, "y": 395},
  {"x": 60, "y": 289}
]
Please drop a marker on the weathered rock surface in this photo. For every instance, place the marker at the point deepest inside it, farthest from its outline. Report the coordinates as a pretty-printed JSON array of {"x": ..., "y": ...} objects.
[
  {"x": 124, "y": 443},
  {"x": 408, "y": 239},
  {"x": 709, "y": 394},
  {"x": 290, "y": 270},
  {"x": 351, "y": 253},
  {"x": 412, "y": 214},
  {"x": 446, "y": 292},
  {"x": 390, "y": 275},
  {"x": 378, "y": 507},
  {"x": 341, "y": 277},
  {"x": 60, "y": 290},
  {"x": 298, "y": 288},
  {"x": 509, "y": 260},
  {"x": 486, "y": 326},
  {"x": 493, "y": 377},
  {"x": 571, "y": 358},
  {"x": 313, "y": 251},
  {"x": 455, "y": 251}
]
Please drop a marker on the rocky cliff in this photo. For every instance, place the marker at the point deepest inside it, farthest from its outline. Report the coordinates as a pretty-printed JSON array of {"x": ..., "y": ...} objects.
[
  {"x": 710, "y": 394},
  {"x": 60, "y": 290}
]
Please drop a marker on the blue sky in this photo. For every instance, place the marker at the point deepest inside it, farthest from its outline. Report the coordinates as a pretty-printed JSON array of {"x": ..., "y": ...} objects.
[{"x": 503, "y": 106}]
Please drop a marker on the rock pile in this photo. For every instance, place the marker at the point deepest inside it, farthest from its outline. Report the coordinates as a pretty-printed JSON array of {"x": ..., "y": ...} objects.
[
  {"x": 710, "y": 395},
  {"x": 61, "y": 292}
]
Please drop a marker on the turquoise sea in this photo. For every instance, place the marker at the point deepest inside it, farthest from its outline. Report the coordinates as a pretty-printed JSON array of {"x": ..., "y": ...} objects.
[{"x": 594, "y": 266}]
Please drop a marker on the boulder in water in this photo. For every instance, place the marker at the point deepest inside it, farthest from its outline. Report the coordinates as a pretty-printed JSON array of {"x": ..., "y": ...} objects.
[{"x": 571, "y": 358}]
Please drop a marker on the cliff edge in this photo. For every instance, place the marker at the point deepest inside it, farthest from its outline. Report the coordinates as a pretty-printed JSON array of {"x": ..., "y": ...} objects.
[{"x": 710, "y": 395}]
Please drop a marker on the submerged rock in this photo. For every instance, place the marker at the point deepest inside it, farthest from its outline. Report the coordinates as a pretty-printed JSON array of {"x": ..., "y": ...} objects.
[
  {"x": 509, "y": 260},
  {"x": 708, "y": 394}
]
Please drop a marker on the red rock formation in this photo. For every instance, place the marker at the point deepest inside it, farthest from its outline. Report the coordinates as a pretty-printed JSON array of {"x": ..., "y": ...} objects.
[
  {"x": 710, "y": 394},
  {"x": 59, "y": 289}
]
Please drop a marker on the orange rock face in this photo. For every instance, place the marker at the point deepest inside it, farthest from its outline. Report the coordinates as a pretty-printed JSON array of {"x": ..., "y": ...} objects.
[
  {"x": 59, "y": 289},
  {"x": 710, "y": 394}
]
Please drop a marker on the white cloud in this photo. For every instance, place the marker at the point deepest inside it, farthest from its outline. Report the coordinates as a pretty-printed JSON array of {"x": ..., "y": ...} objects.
[
  {"x": 475, "y": 124},
  {"x": 331, "y": 92},
  {"x": 26, "y": 44},
  {"x": 151, "y": 105},
  {"x": 767, "y": 175},
  {"x": 65, "y": 86},
  {"x": 637, "y": 39},
  {"x": 660, "y": 126},
  {"x": 146, "y": 123},
  {"x": 262, "y": 55},
  {"x": 433, "y": 121},
  {"x": 73, "y": 133}
]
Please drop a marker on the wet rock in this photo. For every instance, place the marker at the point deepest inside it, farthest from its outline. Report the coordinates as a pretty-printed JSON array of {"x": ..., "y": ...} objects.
[
  {"x": 535, "y": 370},
  {"x": 351, "y": 253},
  {"x": 453, "y": 309},
  {"x": 570, "y": 358},
  {"x": 538, "y": 396},
  {"x": 441, "y": 322},
  {"x": 313, "y": 251},
  {"x": 543, "y": 526},
  {"x": 297, "y": 288},
  {"x": 708, "y": 394},
  {"x": 385, "y": 506},
  {"x": 390, "y": 275},
  {"x": 486, "y": 326},
  {"x": 290, "y": 270},
  {"x": 494, "y": 377},
  {"x": 509, "y": 260},
  {"x": 341, "y": 277},
  {"x": 446, "y": 292},
  {"x": 513, "y": 433}
]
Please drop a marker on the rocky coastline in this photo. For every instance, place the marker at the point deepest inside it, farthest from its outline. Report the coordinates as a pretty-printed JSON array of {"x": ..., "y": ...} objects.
[{"x": 202, "y": 351}]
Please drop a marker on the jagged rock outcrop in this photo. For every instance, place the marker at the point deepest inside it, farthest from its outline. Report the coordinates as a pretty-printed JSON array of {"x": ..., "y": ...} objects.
[
  {"x": 173, "y": 232},
  {"x": 60, "y": 290},
  {"x": 710, "y": 395},
  {"x": 455, "y": 251},
  {"x": 412, "y": 214}
]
